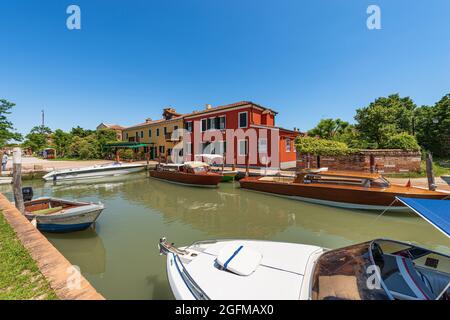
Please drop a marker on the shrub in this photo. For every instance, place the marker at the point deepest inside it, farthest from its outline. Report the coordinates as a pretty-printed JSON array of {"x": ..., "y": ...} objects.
[
  {"x": 403, "y": 141},
  {"x": 321, "y": 147}
]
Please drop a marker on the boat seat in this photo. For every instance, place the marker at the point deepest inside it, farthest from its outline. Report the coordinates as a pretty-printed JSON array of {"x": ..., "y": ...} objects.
[
  {"x": 239, "y": 259},
  {"x": 404, "y": 281},
  {"x": 48, "y": 210}
]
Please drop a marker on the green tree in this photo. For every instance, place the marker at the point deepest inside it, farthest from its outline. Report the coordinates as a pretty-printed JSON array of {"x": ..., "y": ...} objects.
[
  {"x": 61, "y": 141},
  {"x": 84, "y": 148},
  {"x": 103, "y": 137},
  {"x": 38, "y": 138},
  {"x": 385, "y": 117},
  {"x": 80, "y": 132},
  {"x": 329, "y": 128},
  {"x": 432, "y": 126},
  {"x": 321, "y": 147},
  {"x": 403, "y": 141},
  {"x": 7, "y": 132}
]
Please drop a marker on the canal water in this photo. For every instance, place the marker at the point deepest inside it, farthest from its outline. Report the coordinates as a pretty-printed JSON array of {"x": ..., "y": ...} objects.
[{"x": 120, "y": 257}]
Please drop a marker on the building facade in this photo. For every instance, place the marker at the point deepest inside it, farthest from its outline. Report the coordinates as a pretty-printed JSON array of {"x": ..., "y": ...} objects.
[
  {"x": 118, "y": 129},
  {"x": 243, "y": 132},
  {"x": 158, "y": 134}
]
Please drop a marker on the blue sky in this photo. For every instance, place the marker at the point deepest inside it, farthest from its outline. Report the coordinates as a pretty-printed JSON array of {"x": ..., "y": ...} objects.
[{"x": 306, "y": 59}]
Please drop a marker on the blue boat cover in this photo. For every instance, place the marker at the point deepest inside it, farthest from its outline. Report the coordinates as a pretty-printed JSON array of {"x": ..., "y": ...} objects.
[{"x": 436, "y": 212}]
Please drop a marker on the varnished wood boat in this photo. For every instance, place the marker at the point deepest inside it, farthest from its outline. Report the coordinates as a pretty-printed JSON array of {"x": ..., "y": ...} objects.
[
  {"x": 193, "y": 173},
  {"x": 355, "y": 190}
]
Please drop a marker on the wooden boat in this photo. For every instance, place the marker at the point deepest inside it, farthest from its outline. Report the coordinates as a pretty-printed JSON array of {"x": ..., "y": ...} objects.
[
  {"x": 94, "y": 172},
  {"x": 211, "y": 159},
  {"x": 266, "y": 270},
  {"x": 59, "y": 215},
  {"x": 192, "y": 173},
  {"x": 355, "y": 190}
]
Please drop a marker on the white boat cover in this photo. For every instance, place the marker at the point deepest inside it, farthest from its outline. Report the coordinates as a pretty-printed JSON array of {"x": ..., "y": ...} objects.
[{"x": 239, "y": 258}]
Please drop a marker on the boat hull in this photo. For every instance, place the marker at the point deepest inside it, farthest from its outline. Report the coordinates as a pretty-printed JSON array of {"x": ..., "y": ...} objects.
[
  {"x": 197, "y": 180},
  {"x": 350, "y": 198},
  {"x": 71, "y": 219},
  {"x": 92, "y": 173}
]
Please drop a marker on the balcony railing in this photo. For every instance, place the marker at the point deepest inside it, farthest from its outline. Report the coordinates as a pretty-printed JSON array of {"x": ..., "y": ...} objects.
[{"x": 175, "y": 137}]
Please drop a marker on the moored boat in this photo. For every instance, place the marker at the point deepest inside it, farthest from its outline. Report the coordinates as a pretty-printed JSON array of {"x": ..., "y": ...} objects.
[
  {"x": 266, "y": 270},
  {"x": 192, "y": 173},
  {"x": 214, "y": 161},
  {"x": 94, "y": 172},
  {"x": 354, "y": 190},
  {"x": 59, "y": 215}
]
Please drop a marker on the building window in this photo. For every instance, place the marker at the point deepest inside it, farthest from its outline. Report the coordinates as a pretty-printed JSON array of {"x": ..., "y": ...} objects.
[
  {"x": 175, "y": 128},
  {"x": 222, "y": 123},
  {"x": 188, "y": 126},
  {"x": 142, "y": 134},
  {"x": 165, "y": 130},
  {"x": 288, "y": 145},
  {"x": 157, "y": 132},
  {"x": 150, "y": 133},
  {"x": 221, "y": 147},
  {"x": 211, "y": 124},
  {"x": 188, "y": 147},
  {"x": 204, "y": 124},
  {"x": 242, "y": 147},
  {"x": 169, "y": 151},
  {"x": 262, "y": 145},
  {"x": 206, "y": 147},
  {"x": 161, "y": 149},
  {"x": 243, "y": 121}
]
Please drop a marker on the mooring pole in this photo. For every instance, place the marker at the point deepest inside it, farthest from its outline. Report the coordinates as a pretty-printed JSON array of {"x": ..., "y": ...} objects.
[
  {"x": 17, "y": 179},
  {"x": 430, "y": 174}
]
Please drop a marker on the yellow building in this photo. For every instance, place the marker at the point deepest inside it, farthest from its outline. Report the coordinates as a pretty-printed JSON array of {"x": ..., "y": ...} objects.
[{"x": 156, "y": 133}]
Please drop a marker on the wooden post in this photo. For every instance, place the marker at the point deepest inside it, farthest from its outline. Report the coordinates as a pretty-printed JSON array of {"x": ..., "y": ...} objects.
[
  {"x": 17, "y": 179},
  {"x": 1, "y": 166},
  {"x": 308, "y": 161},
  {"x": 247, "y": 169},
  {"x": 430, "y": 174},
  {"x": 223, "y": 161}
]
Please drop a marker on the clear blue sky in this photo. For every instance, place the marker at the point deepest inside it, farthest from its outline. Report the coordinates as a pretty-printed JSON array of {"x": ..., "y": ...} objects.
[{"x": 306, "y": 59}]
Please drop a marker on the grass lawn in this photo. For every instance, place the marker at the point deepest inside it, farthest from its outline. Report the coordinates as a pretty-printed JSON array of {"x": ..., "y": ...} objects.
[{"x": 20, "y": 277}]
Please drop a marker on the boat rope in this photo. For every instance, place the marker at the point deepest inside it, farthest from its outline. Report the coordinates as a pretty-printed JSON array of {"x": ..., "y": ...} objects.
[{"x": 385, "y": 210}]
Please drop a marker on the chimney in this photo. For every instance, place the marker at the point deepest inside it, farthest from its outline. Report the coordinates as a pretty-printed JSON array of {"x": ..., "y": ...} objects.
[
  {"x": 208, "y": 106},
  {"x": 148, "y": 120}
]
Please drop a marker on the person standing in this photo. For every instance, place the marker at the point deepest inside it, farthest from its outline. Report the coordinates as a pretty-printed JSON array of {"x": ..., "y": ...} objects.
[{"x": 4, "y": 161}]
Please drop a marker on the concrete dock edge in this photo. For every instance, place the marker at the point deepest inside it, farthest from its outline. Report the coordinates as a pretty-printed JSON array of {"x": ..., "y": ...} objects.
[{"x": 52, "y": 264}]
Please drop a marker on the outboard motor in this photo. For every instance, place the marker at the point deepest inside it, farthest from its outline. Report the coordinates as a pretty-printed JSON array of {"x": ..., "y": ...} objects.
[{"x": 27, "y": 193}]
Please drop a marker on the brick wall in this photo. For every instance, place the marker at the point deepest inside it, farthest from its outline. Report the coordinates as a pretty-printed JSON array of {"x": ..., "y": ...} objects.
[{"x": 389, "y": 161}]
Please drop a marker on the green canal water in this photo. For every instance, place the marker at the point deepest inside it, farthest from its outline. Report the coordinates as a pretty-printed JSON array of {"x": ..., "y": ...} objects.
[{"x": 120, "y": 257}]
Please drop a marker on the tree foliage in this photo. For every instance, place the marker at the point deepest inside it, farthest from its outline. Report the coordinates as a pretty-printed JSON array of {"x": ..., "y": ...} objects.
[
  {"x": 403, "y": 141},
  {"x": 38, "y": 138},
  {"x": 321, "y": 147},
  {"x": 329, "y": 128},
  {"x": 7, "y": 131},
  {"x": 383, "y": 118},
  {"x": 432, "y": 126}
]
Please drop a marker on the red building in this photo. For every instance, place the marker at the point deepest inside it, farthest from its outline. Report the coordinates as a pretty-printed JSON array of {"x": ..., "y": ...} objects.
[{"x": 243, "y": 131}]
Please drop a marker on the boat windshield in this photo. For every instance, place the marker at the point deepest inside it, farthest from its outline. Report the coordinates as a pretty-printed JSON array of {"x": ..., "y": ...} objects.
[
  {"x": 345, "y": 274},
  {"x": 382, "y": 269}
]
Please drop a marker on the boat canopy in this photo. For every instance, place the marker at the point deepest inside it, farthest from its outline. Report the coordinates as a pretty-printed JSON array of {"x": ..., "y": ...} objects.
[
  {"x": 195, "y": 164},
  {"x": 132, "y": 145},
  {"x": 436, "y": 212}
]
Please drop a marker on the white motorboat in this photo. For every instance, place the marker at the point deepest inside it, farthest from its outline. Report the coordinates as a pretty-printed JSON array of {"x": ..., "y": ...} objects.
[
  {"x": 446, "y": 178},
  {"x": 266, "y": 270},
  {"x": 94, "y": 172}
]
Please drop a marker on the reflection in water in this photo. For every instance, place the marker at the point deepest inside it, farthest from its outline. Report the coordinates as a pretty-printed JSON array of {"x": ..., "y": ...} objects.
[
  {"x": 120, "y": 258},
  {"x": 84, "y": 249}
]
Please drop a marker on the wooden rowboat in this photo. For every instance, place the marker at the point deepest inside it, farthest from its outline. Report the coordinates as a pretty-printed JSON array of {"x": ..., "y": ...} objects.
[
  {"x": 193, "y": 173},
  {"x": 354, "y": 190},
  {"x": 58, "y": 215}
]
